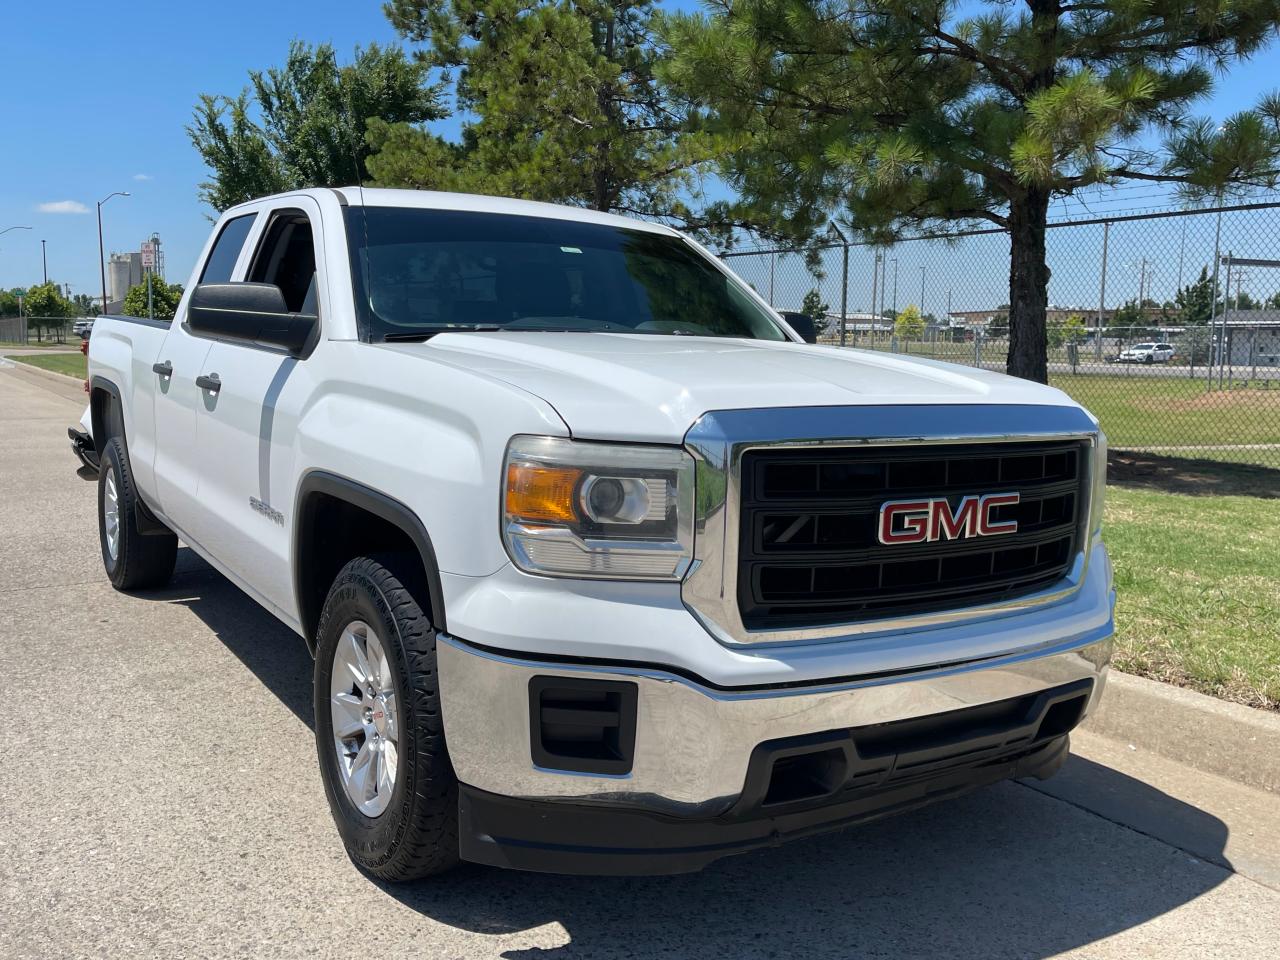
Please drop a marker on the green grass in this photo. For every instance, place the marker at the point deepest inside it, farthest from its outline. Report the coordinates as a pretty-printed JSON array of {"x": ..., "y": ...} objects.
[
  {"x": 1198, "y": 591},
  {"x": 70, "y": 364},
  {"x": 1172, "y": 411},
  {"x": 70, "y": 343}
]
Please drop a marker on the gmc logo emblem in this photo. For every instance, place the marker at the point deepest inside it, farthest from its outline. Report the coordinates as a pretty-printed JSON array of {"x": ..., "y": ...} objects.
[{"x": 924, "y": 521}]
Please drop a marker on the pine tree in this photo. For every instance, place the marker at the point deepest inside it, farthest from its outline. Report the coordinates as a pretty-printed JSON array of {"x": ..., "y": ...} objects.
[{"x": 898, "y": 114}]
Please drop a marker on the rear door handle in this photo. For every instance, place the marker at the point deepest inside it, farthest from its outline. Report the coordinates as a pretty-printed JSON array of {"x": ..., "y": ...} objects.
[
  {"x": 210, "y": 382},
  {"x": 165, "y": 369}
]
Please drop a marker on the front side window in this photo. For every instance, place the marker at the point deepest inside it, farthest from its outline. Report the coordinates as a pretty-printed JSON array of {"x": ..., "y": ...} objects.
[
  {"x": 287, "y": 258},
  {"x": 419, "y": 272},
  {"x": 226, "y": 250}
]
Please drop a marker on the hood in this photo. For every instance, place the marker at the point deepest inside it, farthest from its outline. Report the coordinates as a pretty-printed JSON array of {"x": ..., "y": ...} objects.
[{"x": 653, "y": 388}]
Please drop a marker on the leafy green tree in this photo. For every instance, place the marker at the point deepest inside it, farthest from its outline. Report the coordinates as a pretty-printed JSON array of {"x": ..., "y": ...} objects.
[
  {"x": 813, "y": 308},
  {"x": 1070, "y": 330},
  {"x": 901, "y": 114},
  {"x": 8, "y": 304},
  {"x": 164, "y": 299},
  {"x": 304, "y": 124},
  {"x": 47, "y": 308},
  {"x": 909, "y": 324},
  {"x": 566, "y": 106},
  {"x": 1194, "y": 302}
]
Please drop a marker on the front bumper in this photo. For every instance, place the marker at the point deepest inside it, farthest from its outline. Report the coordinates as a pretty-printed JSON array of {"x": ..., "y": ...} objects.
[{"x": 705, "y": 759}]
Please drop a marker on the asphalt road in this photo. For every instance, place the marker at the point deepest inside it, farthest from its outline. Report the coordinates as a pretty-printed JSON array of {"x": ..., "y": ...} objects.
[{"x": 159, "y": 798}]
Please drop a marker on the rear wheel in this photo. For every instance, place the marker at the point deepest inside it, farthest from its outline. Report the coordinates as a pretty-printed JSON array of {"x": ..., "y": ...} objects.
[
  {"x": 133, "y": 560},
  {"x": 379, "y": 730}
]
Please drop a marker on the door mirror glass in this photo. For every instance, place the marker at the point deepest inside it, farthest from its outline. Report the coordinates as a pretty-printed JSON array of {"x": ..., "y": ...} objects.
[
  {"x": 254, "y": 314},
  {"x": 802, "y": 324}
]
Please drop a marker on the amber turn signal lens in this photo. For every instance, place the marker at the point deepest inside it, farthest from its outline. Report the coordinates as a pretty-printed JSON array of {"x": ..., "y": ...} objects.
[{"x": 537, "y": 492}]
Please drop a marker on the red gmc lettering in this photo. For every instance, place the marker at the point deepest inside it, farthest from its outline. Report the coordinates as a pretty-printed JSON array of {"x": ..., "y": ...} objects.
[
  {"x": 919, "y": 521},
  {"x": 915, "y": 521},
  {"x": 992, "y": 500}
]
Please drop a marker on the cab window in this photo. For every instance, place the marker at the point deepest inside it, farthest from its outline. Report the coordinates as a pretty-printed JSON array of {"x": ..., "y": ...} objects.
[{"x": 287, "y": 257}]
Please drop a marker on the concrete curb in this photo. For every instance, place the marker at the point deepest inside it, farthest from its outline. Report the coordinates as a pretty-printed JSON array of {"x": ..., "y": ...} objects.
[{"x": 1227, "y": 739}]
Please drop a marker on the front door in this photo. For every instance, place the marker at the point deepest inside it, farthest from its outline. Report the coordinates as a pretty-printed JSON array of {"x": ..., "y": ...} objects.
[
  {"x": 248, "y": 427},
  {"x": 178, "y": 399}
]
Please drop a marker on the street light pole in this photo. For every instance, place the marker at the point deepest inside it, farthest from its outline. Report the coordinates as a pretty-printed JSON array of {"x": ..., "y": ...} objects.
[
  {"x": 44, "y": 260},
  {"x": 102, "y": 256}
]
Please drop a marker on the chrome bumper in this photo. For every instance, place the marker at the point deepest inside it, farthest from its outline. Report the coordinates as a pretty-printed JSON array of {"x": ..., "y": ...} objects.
[{"x": 694, "y": 742}]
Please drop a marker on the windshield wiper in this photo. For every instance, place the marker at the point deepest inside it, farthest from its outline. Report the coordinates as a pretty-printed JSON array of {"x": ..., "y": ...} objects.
[{"x": 426, "y": 333}]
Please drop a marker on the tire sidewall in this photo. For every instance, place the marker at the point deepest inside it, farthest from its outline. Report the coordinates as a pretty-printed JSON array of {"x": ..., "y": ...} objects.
[
  {"x": 370, "y": 839},
  {"x": 111, "y": 468}
]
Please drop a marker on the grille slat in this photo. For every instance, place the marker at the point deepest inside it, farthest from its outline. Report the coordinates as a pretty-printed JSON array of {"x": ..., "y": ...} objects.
[{"x": 808, "y": 547}]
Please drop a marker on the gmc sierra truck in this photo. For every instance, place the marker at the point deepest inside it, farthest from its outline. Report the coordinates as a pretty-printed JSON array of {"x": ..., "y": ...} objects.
[{"x": 603, "y": 568}]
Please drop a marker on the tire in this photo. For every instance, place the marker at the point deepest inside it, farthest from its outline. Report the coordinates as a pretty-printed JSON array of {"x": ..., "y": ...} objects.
[
  {"x": 1149, "y": 359},
  {"x": 408, "y": 828},
  {"x": 133, "y": 560}
]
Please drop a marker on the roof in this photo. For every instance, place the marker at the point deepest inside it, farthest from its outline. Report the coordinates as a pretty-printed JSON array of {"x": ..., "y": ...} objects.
[{"x": 436, "y": 200}]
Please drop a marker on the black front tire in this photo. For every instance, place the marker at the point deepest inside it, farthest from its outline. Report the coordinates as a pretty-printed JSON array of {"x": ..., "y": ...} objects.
[
  {"x": 417, "y": 834},
  {"x": 133, "y": 560}
]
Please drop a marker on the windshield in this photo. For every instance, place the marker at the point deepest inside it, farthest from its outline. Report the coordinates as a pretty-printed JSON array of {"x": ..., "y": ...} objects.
[{"x": 419, "y": 272}]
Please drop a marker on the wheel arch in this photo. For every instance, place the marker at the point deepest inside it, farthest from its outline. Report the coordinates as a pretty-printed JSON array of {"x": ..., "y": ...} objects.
[
  {"x": 106, "y": 412},
  {"x": 317, "y": 558}
]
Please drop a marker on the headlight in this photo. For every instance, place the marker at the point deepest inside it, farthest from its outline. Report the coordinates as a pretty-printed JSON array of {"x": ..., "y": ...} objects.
[{"x": 613, "y": 511}]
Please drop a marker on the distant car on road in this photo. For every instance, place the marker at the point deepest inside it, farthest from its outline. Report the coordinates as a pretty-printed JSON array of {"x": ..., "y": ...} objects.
[
  {"x": 1147, "y": 353},
  {"x": 82, "y": 328}
]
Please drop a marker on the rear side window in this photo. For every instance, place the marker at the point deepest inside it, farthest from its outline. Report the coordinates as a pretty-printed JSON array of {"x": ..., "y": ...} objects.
[{"x": 226, "y": 250}]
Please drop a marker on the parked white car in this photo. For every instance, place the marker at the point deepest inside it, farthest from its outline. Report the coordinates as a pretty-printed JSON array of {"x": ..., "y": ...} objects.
[
  {"x": 603, "y": 569},
  {"x": 1147, "y": 353}
]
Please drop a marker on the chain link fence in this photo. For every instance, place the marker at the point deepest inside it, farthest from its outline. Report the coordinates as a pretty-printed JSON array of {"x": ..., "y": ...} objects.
[
  {"x": 33, "y": 331},
  {"x": 1136, "y": 332}
]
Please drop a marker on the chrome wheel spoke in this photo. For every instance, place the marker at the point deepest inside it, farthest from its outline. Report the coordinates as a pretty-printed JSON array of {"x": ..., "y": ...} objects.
[
  {"x": 387, "y": 756},
  {"x": 348, "y": 716},
  {"x": 393, "y": 716},
  {"x": 364, "y": 773}
]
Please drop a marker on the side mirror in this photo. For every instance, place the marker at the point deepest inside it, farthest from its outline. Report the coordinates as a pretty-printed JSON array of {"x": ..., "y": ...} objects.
[
  {"x": 802, "y": 324},
  {"x": 252, "y": 313}
]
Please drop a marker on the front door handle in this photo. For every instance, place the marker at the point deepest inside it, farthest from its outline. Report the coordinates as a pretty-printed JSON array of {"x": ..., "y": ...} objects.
[
  {"x": 210, "y": 382},
  {"x": 165, "y": 369}
]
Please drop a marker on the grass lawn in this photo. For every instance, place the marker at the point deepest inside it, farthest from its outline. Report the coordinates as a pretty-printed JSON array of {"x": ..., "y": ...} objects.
[
  {"x": 1198, "y": 590},
  {"x": 46, "y": 345},
  {"x": 71, "y": 364},
  {"x": 1177, "y": 413}
]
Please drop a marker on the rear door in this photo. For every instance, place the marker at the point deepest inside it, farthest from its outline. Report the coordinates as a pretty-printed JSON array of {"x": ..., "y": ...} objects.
[
  {"x": 178, "y": 399},
  {"x": 248, "y": 428}
]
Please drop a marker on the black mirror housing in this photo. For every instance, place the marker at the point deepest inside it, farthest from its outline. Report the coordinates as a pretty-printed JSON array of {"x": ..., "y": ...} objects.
[{"x": 251, "y": 313}]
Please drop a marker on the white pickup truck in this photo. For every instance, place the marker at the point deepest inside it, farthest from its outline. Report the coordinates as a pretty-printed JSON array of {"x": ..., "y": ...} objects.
[{"x": 603, "y": 568}]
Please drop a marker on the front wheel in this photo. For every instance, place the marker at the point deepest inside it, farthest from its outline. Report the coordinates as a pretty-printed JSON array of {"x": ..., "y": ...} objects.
[{"x": 379, "y": 731}]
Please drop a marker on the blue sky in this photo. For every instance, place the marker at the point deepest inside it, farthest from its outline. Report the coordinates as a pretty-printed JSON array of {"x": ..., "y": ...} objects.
[{"x": 97, "y": 95}]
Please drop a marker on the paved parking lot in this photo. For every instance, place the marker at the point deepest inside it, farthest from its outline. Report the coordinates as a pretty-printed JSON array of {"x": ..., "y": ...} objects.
[{"x": 159, "y": 798}]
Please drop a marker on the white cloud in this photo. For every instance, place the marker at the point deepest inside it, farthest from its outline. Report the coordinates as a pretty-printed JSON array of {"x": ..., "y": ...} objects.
[
  {"x": 142, "y": 176},
  {"x": 63, "y": 206}
]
